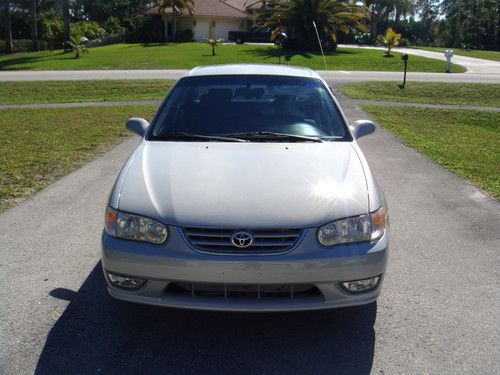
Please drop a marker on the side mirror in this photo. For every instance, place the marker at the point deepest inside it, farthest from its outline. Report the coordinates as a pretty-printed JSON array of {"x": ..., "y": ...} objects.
[
  {"x": 361, "y": 128},
  {"x": 137, "y": 125}
]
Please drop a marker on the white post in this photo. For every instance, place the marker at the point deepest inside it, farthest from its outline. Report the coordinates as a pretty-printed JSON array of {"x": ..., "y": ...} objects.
[{"x": 448, "y": 54}]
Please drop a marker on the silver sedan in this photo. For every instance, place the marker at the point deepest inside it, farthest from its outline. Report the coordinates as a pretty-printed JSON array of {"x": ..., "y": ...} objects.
[{"x": 247, "y": 192}]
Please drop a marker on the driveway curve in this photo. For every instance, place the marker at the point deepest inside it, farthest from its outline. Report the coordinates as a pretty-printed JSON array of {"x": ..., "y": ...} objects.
[{"x": 472, "y": 64}]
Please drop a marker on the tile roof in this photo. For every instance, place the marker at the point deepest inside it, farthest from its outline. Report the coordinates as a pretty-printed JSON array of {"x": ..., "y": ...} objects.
[{"x": 244, "y": 4}]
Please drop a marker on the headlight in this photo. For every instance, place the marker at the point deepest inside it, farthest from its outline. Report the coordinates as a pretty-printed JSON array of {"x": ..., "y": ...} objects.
[
  {"x": 134, "y": 227},
  {"x": 354, "y": 229}
]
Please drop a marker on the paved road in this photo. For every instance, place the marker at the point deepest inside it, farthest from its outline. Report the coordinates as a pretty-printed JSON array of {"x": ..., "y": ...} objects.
[
  {"x": 472, "y": 64},
  {"x": 157, "y": 102},
  {"x": 338, "y": 76},
  {"x": 437, "y": 314}
]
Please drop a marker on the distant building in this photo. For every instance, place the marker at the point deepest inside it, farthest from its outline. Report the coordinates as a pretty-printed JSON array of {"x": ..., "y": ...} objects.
[{"x": 207, "y": 19}]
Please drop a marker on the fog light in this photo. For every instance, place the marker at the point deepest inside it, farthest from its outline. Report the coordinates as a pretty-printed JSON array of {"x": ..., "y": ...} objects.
[
  {"x": 126, "y": 282},
  {"x": 356, "y": 286}
]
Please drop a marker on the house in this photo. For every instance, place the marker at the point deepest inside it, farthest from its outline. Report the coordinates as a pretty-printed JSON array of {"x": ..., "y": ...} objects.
[{"x": 207, "y": 18}]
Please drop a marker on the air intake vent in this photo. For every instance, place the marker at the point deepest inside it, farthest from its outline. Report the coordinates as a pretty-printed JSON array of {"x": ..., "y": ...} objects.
[
  {"x": 249, "y": 291},
  {"x": 260, "y": 241}
]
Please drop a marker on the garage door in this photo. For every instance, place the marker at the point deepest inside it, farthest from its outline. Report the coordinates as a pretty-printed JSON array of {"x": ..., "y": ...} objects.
[
  {"x": 223, "y": 28},
  {"x": 202, "y": 31}
]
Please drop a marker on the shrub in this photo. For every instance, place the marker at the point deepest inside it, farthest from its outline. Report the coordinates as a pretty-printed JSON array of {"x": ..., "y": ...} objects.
[
  {"x": 105, "y": 40},
  {"x": 404, "y": 42},
  {"x": 146, "y": 30},
  {"x": 52, "y": 31},
  {"x": 184, "y": 36},
  {"x": 88, "y": 29},
  {"x": 113, "y": 26},
  {"x": 362, "y": 38}
]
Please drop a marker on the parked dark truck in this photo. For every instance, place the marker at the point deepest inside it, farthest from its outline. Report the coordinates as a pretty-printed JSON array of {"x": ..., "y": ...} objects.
[{"x": 255, "y": 35}]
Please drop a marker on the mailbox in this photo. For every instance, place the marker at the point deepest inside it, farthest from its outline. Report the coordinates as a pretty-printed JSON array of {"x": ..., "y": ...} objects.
[
  {"x": 404, "y": 57},
  {"x": 448, "y": 54}
]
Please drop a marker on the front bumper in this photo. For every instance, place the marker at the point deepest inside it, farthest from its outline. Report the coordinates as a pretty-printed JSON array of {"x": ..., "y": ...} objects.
[{"x": 307, "y": 263}]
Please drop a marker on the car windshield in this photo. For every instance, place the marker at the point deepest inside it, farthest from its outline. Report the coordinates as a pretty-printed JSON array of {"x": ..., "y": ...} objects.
[{"x": 249, "y": 107}]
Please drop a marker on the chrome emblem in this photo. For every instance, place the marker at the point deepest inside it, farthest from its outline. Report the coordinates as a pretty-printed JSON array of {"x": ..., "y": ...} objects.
[{"x": 242, "y": 239}]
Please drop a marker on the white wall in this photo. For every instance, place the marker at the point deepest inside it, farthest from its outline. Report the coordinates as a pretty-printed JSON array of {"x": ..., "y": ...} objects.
[{"x": 201, "y": 31}]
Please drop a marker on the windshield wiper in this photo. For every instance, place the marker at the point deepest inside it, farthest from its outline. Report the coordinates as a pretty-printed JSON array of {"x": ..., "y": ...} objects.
[
  {"x": 274, "y": 135},
  {"x": 191, "y": 136}
]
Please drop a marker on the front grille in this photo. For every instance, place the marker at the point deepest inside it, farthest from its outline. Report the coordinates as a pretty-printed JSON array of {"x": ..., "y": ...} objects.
[
  {"x": 218, "y": 240},
  {"x": 257, "y": 291}
]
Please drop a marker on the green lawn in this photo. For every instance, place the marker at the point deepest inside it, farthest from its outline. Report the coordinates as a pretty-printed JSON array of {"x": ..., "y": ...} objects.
[
  {"x": 38, "y": 146},
  {"x": 465, "y": 142},
  {"x": 426, "y": 92},
  {"x": 480, "y": 54},
  {"x": 82, "y": 91},
  {"x": 190, "y": 55}
]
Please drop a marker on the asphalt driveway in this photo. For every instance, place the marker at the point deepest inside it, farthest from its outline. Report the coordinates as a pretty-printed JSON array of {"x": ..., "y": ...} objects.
[{"x": 437, "y": 314}]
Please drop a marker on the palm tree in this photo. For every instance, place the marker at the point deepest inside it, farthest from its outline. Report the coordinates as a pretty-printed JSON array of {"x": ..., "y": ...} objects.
[
  {"x": 296, "y": 18},
  {"x": 390, "y": 40},
  {"x": 176, "y": 5},
  {"x": 33, "y": 26},
  {"x": 77, "y": 44},
  {"x": 8, "y": 27},
  {"x": 214, "y": 43}
]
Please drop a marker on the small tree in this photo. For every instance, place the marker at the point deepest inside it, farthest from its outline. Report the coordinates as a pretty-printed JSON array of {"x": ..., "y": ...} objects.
[
  {"x": 214, "y": 43},
  {"x": 78, "y": 45},
  {"x": 390, "y": 40}
]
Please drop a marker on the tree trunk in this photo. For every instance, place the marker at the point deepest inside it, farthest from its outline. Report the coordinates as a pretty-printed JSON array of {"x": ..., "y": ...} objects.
[
  {"x": 33, "y": 24},
  {"x": 65, "y": 15},
  {"x": 9, "y": 48},
  {"x": 373, "y": 23},
  {"x": 397, "y": 16},
  {"x": 174, "y": 24}
]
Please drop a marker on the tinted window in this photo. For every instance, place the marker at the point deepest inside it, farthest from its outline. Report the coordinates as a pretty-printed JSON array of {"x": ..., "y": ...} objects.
[{"x": 218, "y": 105}]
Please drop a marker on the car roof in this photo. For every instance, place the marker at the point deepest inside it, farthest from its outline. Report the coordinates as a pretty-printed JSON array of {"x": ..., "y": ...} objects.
[{"x": 252, "y": 69}]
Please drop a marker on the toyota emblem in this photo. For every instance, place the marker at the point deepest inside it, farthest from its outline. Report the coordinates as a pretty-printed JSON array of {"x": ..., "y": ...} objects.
[{"x": 242, "y": 239}]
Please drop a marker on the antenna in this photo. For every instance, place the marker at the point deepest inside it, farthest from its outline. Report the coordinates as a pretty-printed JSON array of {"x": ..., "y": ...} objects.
[{"x": 320, "y": 46}]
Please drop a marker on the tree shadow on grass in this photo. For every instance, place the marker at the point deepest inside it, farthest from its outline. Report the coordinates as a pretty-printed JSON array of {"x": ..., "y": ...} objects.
[
  {"x": 9, "y": 62},
  {"x": 97, "y": 334},
  {"x": 286, "y": 55},
  {"x": 344, "y": 51},
  {"x": 153, "y": 44},
  {"x": 276, "y": 53}
]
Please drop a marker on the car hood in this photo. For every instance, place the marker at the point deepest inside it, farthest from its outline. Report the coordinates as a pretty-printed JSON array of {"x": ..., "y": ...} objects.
[{"x": 244, "y": 185}]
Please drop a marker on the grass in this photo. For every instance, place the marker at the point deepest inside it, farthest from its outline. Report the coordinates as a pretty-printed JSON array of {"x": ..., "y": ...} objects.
[
  {"x": 82, "y": 91},
  {"x": 466, "y": 142},
  {"x": 38, "y": 146},
  {"x": 426, "y": 92},
  {"x": 190, "y": 55},
  {"x": 480, "y": 54}
]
